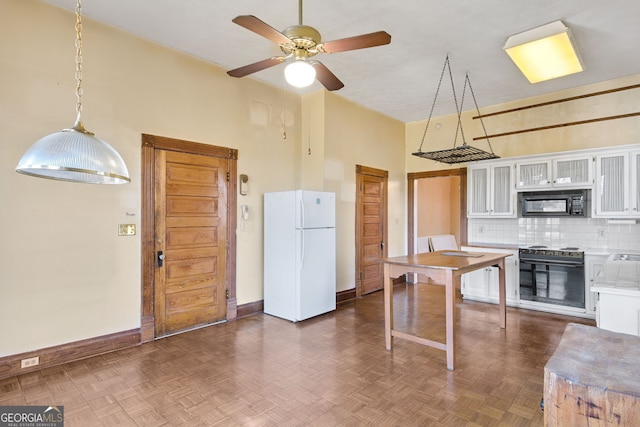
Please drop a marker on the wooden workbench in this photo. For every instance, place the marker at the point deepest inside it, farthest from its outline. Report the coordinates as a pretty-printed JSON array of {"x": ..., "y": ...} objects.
[{"x": 593, "y": 379}]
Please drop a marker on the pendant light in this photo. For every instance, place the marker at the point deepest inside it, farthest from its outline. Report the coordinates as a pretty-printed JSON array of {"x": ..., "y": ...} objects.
[{"x": 75, "y": 154}]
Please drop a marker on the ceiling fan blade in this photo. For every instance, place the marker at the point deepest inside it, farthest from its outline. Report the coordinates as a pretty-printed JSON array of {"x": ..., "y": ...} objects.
[
  {"x": 258, "y": 26},
  {"x": 326, "y": 77},
  {"x": 256, "y": 66},
  {"x": 358, "y": 42}
]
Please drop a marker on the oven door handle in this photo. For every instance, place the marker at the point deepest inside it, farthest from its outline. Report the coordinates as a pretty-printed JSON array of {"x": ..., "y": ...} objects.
[{"x": 548, "y": 262}]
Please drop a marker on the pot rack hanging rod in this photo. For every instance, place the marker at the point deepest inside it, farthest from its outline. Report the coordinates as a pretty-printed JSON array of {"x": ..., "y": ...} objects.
[
  {"x": 557, "y": 101},
  {"x": 559, "y": 125}
]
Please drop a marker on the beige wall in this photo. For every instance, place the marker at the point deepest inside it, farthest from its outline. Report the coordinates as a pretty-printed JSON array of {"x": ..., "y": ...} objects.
[
  {"x": 66, "y": 275},
  {"x": 357, "y": 136}
]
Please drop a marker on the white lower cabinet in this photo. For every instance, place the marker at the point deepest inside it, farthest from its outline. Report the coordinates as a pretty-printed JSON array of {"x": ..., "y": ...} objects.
[
  {"x": 618, "y": 310},
  {"x": 482, "y": 284},
  {"x": 592, "y": 267}
]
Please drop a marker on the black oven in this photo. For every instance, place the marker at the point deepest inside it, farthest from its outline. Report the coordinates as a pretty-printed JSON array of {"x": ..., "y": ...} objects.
[{"x": 552, "y": 276}]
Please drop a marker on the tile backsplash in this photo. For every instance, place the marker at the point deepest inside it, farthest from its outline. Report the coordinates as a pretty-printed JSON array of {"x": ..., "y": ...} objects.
[{"x": 556, "y": 232}]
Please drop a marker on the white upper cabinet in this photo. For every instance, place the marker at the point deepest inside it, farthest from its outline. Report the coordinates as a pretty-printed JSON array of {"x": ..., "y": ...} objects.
[
  {"x": 635, "y": 182},
  {"x": 490, "y": 190},
  {"x": 478, "y": 191},
  {"x": 617, "y": 190},
  {"x": 532, "y": 175},
  {"x": 561, "y": 172},
  {"x": 573, "y": 172},
  {"x": 612, "y": 173}
]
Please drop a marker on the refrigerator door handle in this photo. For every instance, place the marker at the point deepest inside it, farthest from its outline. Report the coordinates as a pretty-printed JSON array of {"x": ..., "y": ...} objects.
[
  {"x": 302, "y": 252},
  {"x": 301, "y": 212}
]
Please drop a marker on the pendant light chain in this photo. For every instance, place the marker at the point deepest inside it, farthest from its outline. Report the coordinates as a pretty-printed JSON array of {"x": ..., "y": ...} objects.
[{"x": 78, "y": 125}]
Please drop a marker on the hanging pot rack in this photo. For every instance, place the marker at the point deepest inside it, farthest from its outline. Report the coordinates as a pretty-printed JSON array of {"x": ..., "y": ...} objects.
[{"x": 458, "y": 154}]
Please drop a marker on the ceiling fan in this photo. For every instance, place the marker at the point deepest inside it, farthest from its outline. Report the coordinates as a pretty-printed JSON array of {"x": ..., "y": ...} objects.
[{"x": 302, "y": 42}]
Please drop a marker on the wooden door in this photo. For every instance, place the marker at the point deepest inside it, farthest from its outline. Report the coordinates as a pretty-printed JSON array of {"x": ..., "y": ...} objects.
[
  {"x": 190, "y": 231},
  {"x": 371, "y": 229}
]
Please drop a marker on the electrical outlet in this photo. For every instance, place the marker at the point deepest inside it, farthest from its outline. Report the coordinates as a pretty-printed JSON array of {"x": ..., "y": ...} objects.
[
  {"x": 481, "y": 229},
  {"x": 32, "y": 361},
  {"x": 601, "y": 233}
]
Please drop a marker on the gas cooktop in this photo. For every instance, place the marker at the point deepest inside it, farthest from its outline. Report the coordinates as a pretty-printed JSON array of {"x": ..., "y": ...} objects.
[
  {"x": 566, "y": 251},
  {"x": 564, "y": 248}
]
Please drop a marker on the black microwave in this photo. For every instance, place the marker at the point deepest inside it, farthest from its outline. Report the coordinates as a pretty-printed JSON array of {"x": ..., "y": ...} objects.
[{"x": 550, "y": 204}]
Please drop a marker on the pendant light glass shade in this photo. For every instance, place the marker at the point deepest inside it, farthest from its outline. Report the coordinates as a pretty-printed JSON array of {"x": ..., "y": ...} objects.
[{"x": 75, "y": 155}]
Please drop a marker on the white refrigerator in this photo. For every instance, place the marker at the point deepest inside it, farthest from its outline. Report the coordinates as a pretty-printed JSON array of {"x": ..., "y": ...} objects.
[{"x": 299, "y": 254}]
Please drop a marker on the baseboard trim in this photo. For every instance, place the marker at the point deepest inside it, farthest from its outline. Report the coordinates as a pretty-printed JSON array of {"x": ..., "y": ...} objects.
[
  {"x": 344, "y": 296},
  {"x": 65, "y": 353},
  {"x": 399, "y": 280},
  {"x": 250, "y": 308}
]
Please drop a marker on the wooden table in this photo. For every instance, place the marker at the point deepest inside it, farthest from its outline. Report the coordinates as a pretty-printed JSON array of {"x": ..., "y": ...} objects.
[{"x": 442, "y": 268}]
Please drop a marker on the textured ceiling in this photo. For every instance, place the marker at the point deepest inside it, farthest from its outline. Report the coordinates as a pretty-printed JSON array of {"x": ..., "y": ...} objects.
[{"x": 399, "y": 79}]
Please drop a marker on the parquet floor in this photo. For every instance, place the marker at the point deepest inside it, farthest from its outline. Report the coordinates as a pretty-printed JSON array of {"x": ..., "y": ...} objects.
[{"x": 332, "y": 370}]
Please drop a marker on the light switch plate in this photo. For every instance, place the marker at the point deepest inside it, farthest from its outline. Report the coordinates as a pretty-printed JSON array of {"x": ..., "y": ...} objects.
[{"x": 126, "y": 229}]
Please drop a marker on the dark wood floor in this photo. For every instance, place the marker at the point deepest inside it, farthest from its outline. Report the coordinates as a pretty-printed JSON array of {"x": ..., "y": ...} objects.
[{"x": 332, "y": 370}]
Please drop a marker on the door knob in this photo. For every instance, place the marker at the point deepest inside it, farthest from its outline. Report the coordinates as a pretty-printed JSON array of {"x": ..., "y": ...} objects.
[{"x": 160, "y": 258}]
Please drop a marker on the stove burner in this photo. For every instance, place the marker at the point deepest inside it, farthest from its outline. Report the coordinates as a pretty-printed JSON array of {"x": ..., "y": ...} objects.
[
  {"x": 569, "y": 248},
  {"x": 537, "y": 247}
]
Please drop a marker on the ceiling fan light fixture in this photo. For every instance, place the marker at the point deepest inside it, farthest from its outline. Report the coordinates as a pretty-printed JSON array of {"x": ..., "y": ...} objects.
[
  {"x": 544, "y": 53},
  {"x": 300, "y": 73}
]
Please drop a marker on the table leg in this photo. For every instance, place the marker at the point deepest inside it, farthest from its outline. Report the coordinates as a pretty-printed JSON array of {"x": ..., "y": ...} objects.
[
  {"x": 388, "y": 306},
  {"x": 502, "y": 292},
  {"x": 450, "y": 289}
]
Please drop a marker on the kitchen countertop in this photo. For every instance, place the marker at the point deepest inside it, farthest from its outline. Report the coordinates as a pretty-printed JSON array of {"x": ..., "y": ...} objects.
[
  {"x": 596, "y": 251},
  {"x": 613, "y": 289},
  {"x": 510, "y": 246}
]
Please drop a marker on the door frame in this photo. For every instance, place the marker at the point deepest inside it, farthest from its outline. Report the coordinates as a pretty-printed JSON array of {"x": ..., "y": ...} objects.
[
  {"x": 411, "y": 203},
  {"x": 379, "y": 173},
  {"x": 151, "y": 143}
]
